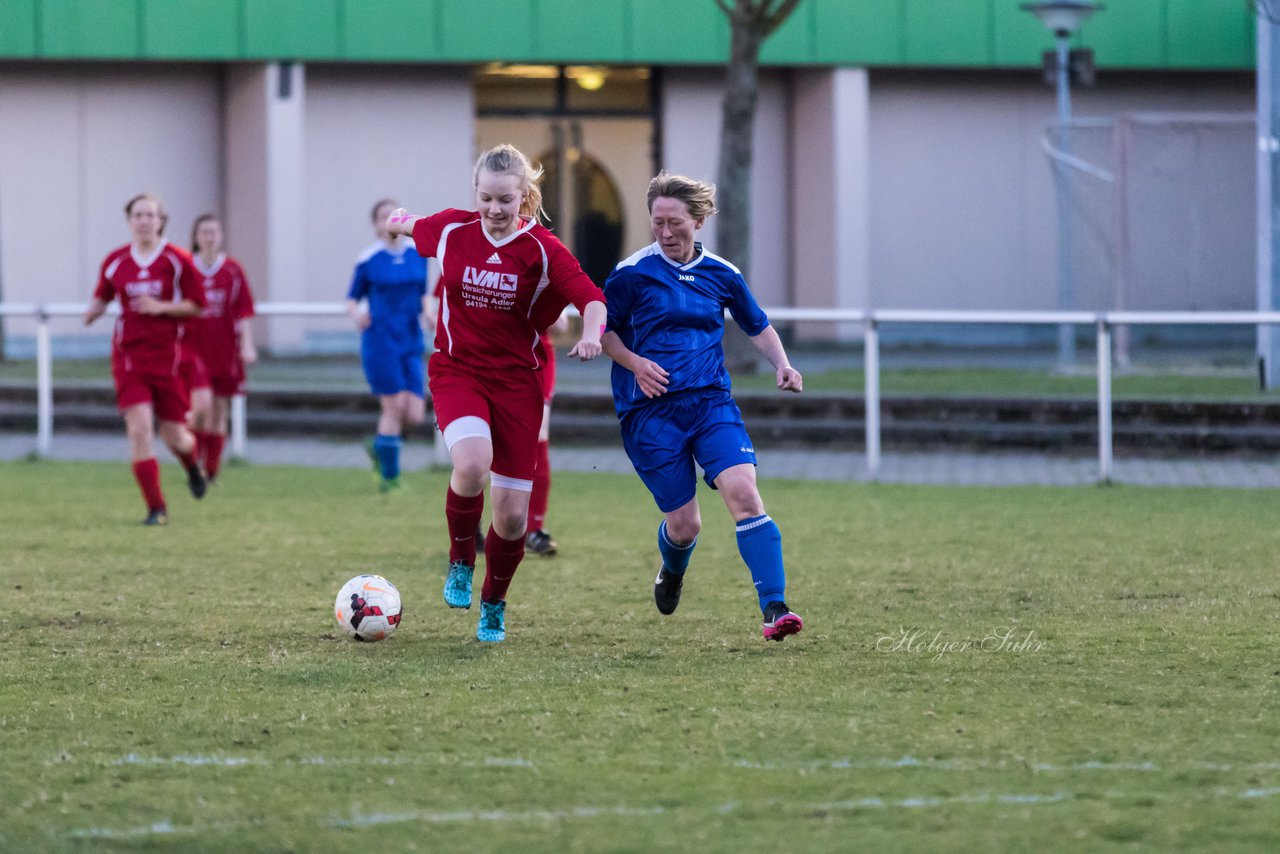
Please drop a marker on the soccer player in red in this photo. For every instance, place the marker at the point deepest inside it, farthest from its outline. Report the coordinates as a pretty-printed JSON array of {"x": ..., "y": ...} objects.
[
  {"x": 504, "y": 279},
  {"x": 157, "y": 287},
  {"x": 222, "y": 335},
  {"x": 539, "y": 540}
]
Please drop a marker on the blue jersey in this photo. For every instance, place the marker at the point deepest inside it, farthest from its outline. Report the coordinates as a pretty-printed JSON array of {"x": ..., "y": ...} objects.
[
  {"x": 673, "y": 315},
  {"x": 394, "y": 282}
]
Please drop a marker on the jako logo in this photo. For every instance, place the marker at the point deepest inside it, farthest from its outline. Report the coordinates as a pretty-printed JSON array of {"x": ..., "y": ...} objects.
[
  {"x": 489, "y": 279},
  {"x": 684, "y": 278}
]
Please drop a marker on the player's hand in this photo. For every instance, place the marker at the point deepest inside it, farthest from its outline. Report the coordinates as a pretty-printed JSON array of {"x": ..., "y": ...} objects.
[
  {"x": 395, "y": 221},
  {"x": 586, "y": 350},
  {"x": 651, "y": 377},
  {"x": 362, "y": 320},
  {"x": 249, "y": 355},
  {"x": 789, "y": 379},
  {"x": 147, "y": 304}
]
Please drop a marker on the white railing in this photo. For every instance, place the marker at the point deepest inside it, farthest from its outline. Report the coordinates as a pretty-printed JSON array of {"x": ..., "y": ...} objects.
[{"x": 1103, "y": 323}]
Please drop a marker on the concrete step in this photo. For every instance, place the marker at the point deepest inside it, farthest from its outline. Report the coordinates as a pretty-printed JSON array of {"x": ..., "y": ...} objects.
[{"x": 817, "y": 420}]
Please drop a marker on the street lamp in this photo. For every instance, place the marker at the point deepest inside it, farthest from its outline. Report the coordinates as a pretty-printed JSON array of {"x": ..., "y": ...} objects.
[{"x": 1063, "y": 18}]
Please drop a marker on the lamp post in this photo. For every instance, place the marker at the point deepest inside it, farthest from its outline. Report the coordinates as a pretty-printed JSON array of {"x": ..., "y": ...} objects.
[{"x": 1063, "y": 18}]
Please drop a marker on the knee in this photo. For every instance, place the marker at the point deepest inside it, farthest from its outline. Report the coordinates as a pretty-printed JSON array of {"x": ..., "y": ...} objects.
[
  {"x": 684, "y": 529},
  {"x": 509, "y": 525},
  {"x": 470, "y": 473}
]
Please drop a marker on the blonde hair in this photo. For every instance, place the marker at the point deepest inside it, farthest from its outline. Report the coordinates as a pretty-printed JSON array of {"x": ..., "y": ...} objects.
[
  {"x": 506, "y": 159},
  {"x": 698, "y": 196}
]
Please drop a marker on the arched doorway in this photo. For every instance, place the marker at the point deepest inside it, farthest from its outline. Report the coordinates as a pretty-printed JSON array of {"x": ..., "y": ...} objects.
[{"x": 583, "y": 199}]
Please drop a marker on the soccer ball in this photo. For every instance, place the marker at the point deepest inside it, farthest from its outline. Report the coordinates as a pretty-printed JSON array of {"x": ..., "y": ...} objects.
[{"x": 368, "y": 608}]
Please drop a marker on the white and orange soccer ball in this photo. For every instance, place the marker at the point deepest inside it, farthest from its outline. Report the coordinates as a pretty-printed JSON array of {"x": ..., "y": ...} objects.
[{"x": 368, "y": 608}]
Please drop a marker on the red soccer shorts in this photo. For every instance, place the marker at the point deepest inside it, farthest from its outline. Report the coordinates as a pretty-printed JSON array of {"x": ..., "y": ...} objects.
[
  {"x": 192, "y": 371},
  {"x": 509, "y": 402},
  {"x": 165, "y": 393},
  {"x": 228, "y": 384}
]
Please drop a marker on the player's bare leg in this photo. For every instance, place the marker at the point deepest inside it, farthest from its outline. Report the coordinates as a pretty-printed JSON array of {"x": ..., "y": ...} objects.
[{"x": 183, "y": 444}]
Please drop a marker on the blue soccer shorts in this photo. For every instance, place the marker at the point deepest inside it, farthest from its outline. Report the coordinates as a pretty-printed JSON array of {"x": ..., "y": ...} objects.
[
  {"x": 391, "y": 373},
  {"x": 665, "y": 437}
]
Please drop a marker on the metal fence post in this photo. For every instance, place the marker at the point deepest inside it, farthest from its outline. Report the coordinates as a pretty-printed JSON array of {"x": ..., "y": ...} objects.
[
  {"x": 871, "y": 362},
  {"x": 1104, "y": 401},
  {"x": 238, "y": 426},
  {"x": 44, "y": 385}
]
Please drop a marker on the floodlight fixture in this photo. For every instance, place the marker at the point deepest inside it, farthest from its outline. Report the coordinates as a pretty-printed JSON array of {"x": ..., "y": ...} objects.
[{"x": 1063, "y": 17}]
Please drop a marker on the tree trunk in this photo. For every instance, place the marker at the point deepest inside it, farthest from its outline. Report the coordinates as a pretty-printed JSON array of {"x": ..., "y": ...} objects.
[{"x": 751, "y": 22}]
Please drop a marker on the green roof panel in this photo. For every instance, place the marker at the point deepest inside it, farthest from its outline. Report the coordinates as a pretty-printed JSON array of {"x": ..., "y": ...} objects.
[
  {"x": 1197, "y": 40},
  {"x": 1128, "y": 34},
  {"x": 292, "y": 29},
  {"x": 866, "y": 33},
  {"x": 948, "y": 32},
  {"x": 18, "y": 28},
  {"x": 678, "y": 32},
  {"x": 1176, "y": 34},
  {"x": 584, "y": 32},
  {"x": 88, "y": 29},
  {"x": 189, "y": 29},
  {"x": 483, "y": 32},
  {"x": 416, "y": 33},
  {"x": 793, "y": 41}
]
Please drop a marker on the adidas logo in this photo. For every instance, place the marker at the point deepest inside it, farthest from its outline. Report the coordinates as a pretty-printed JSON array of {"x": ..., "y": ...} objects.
[{"x": 494, "y": 259}]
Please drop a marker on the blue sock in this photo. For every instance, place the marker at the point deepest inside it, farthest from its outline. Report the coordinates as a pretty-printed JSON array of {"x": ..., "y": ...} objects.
[
  {"x": 674, "y": 557},
  {"x": 388, "y": 450},
  {"x": 760, "y": 544}
]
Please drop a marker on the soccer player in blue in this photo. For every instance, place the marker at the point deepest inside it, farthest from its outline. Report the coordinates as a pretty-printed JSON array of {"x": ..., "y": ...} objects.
[
  {"x": 391, "y": 278},
  {"x": 672, "y": 393}
]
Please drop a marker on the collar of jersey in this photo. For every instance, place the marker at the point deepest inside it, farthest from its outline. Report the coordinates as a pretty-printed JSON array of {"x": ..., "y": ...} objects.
[
  {"x": 212, "y": 268},
  {"x": 510, "y": 237},
  {"x": 142, "y": 262},
  {"x": 698, "y": 255}
]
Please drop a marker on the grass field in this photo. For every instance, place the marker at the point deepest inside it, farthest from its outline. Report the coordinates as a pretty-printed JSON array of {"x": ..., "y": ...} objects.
[{"x": 185, "y": 688}]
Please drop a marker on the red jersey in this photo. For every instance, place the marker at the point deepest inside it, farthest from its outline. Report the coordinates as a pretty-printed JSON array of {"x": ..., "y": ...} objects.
[
  {"x": 498, "y": 296},
  {"x": 215, "y": 333},
  {"x": 148, "y": 343}
]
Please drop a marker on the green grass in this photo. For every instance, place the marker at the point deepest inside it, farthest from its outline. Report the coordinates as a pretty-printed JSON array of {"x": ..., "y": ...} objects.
[
  {"x": 1008, "y": 382},
  {"x": 185, "y": 688}
]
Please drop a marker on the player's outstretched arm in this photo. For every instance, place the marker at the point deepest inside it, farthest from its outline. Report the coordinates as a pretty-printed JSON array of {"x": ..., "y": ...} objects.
[
  {"x": 770, "y": 346},
  {"x": 400, "y": 222},
  {"x": 650, "y": 376},
  {"x": 97, "y": 307},
  {"x": 593, "y": 318}
]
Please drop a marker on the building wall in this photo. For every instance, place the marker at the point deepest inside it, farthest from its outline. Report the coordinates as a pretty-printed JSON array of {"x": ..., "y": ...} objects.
[
  {"x": 691, "y": 100},
  {"x": 373, "y": 133},
  {"x": 76, "y": 142},
  {"x": 962, "y": 200}
]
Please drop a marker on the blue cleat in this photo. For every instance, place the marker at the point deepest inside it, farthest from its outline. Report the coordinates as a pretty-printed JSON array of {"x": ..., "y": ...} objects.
[
  {"x": 457, "y": 585},
  {"x": 493, "y": 624}
]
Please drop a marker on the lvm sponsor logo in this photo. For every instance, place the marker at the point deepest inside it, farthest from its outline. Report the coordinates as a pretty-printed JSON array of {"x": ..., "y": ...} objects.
[{"x": 489, "y": 279}]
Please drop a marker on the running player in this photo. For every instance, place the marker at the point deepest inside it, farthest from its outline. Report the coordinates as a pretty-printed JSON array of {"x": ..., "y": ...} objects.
[
  {"x": 392, "y": 280},
  {"x": 222, "y": 335},
  {"x": 539, "y": 540},
  {"x": 157, "y": 287},
  {"x": 503, "y": 279},
  {"x": 672, "y": 392}
]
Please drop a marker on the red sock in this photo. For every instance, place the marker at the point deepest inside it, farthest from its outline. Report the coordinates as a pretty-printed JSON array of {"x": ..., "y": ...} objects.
[
  {"x": 541, "y": 488},
  {"x": 212, "y": 444},
  {"x": 463, "y": 515},
  {"x": 501, "y": 558},
  {"x": 147, "y": 474}
]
